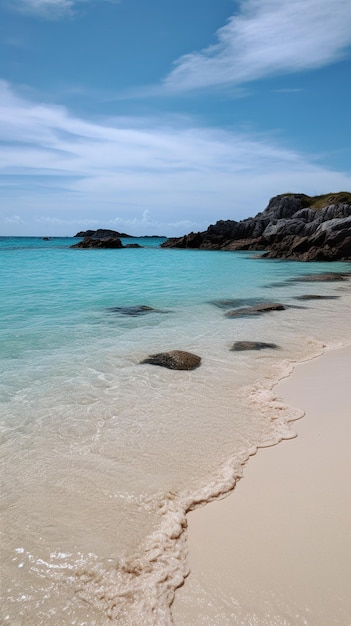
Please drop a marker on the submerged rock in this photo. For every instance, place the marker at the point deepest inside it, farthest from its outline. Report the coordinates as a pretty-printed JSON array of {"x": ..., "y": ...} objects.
[
  {"x": 312, "y": 296},
  {"x": 174, "y": 360},
  {"x": 256, "y": 310},
  {"x": 327, "y": 277},
  {"x": 234, "y": 303},
  {"x": 239, "y": 346},
  {"x": 139, "y": 309}
]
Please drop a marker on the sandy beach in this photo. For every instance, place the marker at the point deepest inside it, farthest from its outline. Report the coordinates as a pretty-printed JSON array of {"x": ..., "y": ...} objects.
[{"x": 277, "y": 551}]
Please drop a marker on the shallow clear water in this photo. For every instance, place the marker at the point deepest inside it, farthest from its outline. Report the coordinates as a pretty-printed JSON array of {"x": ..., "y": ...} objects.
[{"x": 103, "y": 455}]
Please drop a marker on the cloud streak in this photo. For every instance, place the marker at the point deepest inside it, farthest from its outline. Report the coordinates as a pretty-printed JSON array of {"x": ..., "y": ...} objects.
[
  {"x": 60, "y": 171},
  {"x": 47, "y": 9},
  {"x": 267, "y": 37},
  {"x": 50, "y": 9}
]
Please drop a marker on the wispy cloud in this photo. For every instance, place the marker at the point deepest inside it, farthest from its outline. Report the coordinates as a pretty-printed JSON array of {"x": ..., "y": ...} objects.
[
  {"x": 267, "y": 37},
  {"x": 139, "y": 174},
  {"x": 50, "y": 9},
  {"x": 47, "y": 9},
  {"x": 14, "y": 219}
]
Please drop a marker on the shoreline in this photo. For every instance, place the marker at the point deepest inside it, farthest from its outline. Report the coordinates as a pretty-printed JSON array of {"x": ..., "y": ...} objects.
[{"x": 277, "y": 550}]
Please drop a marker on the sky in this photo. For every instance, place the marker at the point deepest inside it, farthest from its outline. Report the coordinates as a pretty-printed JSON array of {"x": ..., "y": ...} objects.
[{"x": 161, "y": 117}]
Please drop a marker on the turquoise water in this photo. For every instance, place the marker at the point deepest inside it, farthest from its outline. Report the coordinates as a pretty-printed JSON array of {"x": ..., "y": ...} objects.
[{"x": 104, "y": 455}]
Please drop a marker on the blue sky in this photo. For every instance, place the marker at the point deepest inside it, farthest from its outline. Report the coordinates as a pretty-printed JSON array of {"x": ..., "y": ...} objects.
[{"x": 162, "y": 117}]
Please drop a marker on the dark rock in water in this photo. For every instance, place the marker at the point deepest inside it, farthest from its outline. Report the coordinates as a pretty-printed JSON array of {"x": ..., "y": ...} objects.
[
  {"x": 46, "y": 238},
  {"x": 233, "y": 303},
  {"x": 274, "y": 285},
  {"x": 328, "y": 277},
  {"x": 139, "y": 309},
  {"x": 100, "y": 233},
  {"x": 255, "y": 310},
  {"x": 102, "y": 238},
  {"x": 85, "y": 233},
  {"x": 293, "y": 226},
  {"x": 105, "y": 242},
  {"x": 133, "y": 245},
  {"x": 239, "y": 346},
  {"x": 174, "y": 360},
  {"x": 312, "y": 296}
]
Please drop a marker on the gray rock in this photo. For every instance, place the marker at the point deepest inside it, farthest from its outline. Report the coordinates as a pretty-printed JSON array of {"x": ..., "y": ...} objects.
[
  {"x": 306, "y": 215},
  {"x": 239, "y": 346},
  {"x": 285, "y": 205},
  {"x": 335, "y": 224},
  {"x": 283, "y": 228},
  {"x": 174, "y": 360},
  {"x": 312, "y": 296},
  {"x": 256, "y": 309}
]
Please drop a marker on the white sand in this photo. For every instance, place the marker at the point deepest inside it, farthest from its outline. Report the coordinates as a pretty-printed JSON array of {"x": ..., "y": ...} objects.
[{"x": 277, "y": 551}]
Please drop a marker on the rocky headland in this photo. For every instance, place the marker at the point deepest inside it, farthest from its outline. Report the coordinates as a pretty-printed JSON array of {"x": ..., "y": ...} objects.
[{"x": 293, "y": 226}]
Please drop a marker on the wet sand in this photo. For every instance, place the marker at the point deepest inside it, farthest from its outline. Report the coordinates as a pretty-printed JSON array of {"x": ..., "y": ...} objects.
[{"x": 277, "y": 551}]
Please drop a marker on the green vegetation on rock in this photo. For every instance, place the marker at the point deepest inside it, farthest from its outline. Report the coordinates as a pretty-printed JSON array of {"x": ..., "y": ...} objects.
[{"x": 319, "y": 202}]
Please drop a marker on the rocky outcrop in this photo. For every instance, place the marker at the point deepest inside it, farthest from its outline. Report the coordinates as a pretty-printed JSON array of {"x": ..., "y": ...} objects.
[
  {"x": 103, "y": 238},
  {"x": 293, "y": 226},
  {"x": 174, "y": 360},
  {"x": 100, "y": 233},
  {"x": 103, "y": 242}
]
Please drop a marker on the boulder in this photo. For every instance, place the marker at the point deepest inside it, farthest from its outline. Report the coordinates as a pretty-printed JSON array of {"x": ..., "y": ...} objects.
[
  {"x": 256, "y": 309},
  {"x": 174, "y": 360},
  {"x": 239, "y": 346}
]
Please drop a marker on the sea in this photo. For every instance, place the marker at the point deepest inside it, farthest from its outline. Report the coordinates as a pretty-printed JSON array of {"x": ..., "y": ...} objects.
[{"x": 103, "y": 455}]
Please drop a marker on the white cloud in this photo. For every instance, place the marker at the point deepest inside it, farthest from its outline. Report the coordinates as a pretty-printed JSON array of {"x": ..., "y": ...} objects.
[
  {"x": 50, "y": 9},
  {"x": 267, "y": 37},
  {"x": 141, "y": 175},
  {"x": 14, "y": 219}
]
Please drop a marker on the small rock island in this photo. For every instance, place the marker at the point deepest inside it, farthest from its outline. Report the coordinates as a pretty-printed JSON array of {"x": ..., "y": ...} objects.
[{"x": 102, "y": 238}]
